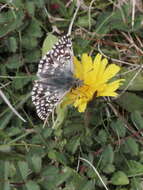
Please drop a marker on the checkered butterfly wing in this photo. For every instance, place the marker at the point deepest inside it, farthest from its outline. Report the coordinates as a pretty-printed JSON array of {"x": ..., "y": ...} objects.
[{"x": 53, "y": 71}]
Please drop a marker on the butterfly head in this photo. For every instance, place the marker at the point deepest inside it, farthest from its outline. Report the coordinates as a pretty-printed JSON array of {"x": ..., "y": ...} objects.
[{"x": 77, "y": 83}]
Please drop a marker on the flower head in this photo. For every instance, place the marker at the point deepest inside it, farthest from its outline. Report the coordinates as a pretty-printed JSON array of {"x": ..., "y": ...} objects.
[{"x": 95, "y": 75}]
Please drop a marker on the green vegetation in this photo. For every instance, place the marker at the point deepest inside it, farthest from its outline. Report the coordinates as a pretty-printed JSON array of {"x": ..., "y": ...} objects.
[{"x": 109, "y": 134}]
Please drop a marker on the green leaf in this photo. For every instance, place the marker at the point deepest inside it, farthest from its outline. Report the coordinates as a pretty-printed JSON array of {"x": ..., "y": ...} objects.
[
  {"x": 58, "y": 156},
  {"x": 137, "y": 119},
  {"x": 32, "y": 56},
  {"x": 14, "y": 62},
  {"x": 89, "y": 185},
  {"x": 91, "y": 173},
  {"x": 30, "y": 6},
  {"x": 31, "y": 185},
  {"x": 16, "y": 3},
  {"x": 54, "y": 178},
  {"x": 40, "y": 3},
  {"x": 107, "y": 156},
  {"x": 34, "y": 29},
  {"x": 50, "y": 171},
  {"x": 12, "y": 44},
  {"x": 73, "y": 144},
  {"x": 19, "y": 83},
  {"x": 118, "y": 19},
  {"x": 134, "y": 168},
  {"x": 119, "y": 178},
  {"x": 103, "y": 23},
  {"x": 11, "y": 156},
  {"x": 136, "y": 84},
  {"x": 85, "y": 44},
  {"x": 119, "y": 127},
  {"x": 130, "y": 102},
  {"x": 7, "y": 186},
  {"x": 99, "y": 183},
  {"x": 13, "y": 131},
  {"x": 10, "y": 21},
  {"x": 62, "y": 9},
  {"x": 102, "y": 136},
  {"x": 5, "y": 148},
  {"x": 23, "y": 168},
  {"x": 6, "y": 175},
  {"x": 12, "y": 170},
  {"x": 62, "y": 177},
  {"x": 78, "y": 181},
  {"x": 48, "y": 43},
  {"x": 61, "y": 115},
  {"x": 47, "y": 132},
  {"x": 110, "y": 168},
  {"x": 29, "y": 42},
  {"x": 8, "y": 116},
  {"x": 36, "y": 163},
  {"x": 132, "y": 146},
  {"x": 136, "y": 183},
  {"x": 84, "y": 21}
]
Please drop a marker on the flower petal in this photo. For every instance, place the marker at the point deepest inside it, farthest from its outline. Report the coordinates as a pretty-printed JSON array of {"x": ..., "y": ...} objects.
[
  {"x": 86, "y": 64},
  {"x": 102, "y": 68},
  {"x": 97, "y": 64},
  {"x": 78, "y": 69},
  {"x": 110, "y": 72},
  {"x": 109, "y": 89},
  {"x": 82, "y": 107}
]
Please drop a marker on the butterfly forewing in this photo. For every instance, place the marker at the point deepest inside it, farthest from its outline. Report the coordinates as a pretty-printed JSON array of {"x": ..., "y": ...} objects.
[
  {"x": 55, "y": 67},
  {"x": 58, "y": 58}
]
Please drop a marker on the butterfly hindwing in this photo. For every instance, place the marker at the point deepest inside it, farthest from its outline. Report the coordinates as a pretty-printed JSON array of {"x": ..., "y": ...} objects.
[{"x": 44, "y": 98}]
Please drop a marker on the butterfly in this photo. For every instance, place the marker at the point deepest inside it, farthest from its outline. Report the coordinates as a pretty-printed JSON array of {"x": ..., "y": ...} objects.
[{"x": 55, "y": 77}]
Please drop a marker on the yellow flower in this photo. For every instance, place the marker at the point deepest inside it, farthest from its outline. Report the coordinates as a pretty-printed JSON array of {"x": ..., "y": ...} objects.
[{"x": 95, "y": 75}]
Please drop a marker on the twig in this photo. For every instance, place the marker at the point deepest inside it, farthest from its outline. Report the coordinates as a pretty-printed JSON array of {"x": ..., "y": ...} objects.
[
  {"x": 135, "y": 134},
  {"x": 74, "y": 16},
  {"x": 116, "y": 60},
  {"x": 131, "y": 41},
  {"x": 10, "y": 106},
  {"x": 129, "y": 84},
  {"x": 68, "y": 3},
  {"x": 127, "y": 125},
  {"x": 89, "y": 14},
  {"x": 83, "y": 159},
  {"x": 133, "y": 12},
  {"x": 3, "y": 6}
]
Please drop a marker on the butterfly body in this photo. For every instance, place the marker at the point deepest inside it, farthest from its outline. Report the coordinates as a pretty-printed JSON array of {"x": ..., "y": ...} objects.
[
  {"x": 60, "y": 81},
  {"x": 56, "y": 78}
]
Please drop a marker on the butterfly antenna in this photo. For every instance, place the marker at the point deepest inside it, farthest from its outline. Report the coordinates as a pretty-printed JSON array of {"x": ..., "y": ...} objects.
[{"x": 73, "y": 18}]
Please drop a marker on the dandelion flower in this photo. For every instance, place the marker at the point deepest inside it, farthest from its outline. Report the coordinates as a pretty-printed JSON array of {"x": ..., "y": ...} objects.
[{"x": 96, "y": 76}]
